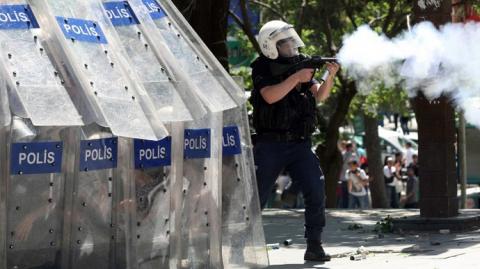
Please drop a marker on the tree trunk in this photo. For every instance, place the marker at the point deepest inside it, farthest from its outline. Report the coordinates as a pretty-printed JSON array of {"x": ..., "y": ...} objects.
[
  {"x": 209, "y": 19},
  {"x": 331, "y": 167},
  {"x": 330, "y": 157},
  {"x": 375, "y": 163}
]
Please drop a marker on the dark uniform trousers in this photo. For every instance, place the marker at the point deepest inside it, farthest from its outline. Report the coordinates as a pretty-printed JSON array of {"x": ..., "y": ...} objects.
[{"x": 303, "y": 166}]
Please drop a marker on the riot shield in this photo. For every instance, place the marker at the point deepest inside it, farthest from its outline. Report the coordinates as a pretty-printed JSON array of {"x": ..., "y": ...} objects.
[
  {"x": 170, "y": 98},
  {"x": 192, "y": 40},
  {"x": 35, "y": 91},
  {"x": 3, "y": 182},
  {"x": 203, "y": 76},
  {"x": 86, "y": 50},
  {"x": 34, "y": 160},
  {"x": 199, "y": 217},
  {"x": 154, "y": 173},
  {"x": 38, "y": 165},
  {"x": 5, "y": 119},
  {"x": 90, "y": 232},
  {"x": 243, "y": 239}
]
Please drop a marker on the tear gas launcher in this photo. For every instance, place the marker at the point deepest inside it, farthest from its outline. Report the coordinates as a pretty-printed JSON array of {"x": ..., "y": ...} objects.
[{"x": 312, "y": 62}]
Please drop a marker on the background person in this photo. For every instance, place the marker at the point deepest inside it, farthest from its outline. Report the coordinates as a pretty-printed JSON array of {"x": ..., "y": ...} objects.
[{"x": 357, "y": 186}]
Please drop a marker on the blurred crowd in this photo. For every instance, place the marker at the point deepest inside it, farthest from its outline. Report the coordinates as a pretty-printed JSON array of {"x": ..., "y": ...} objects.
[{"x": 400, "y": 175}]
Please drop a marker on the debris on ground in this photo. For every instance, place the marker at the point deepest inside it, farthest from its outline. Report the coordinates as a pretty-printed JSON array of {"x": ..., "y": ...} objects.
[
  {"x": 354, "y": 226},
  {"x": 384, "y": 226},
  {"x": 273, "y": 246},
  {"x": 360, "y": 254}
]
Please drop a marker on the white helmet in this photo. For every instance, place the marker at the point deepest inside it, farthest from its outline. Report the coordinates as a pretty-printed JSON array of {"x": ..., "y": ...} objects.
[{"x": 273, "y": 32}]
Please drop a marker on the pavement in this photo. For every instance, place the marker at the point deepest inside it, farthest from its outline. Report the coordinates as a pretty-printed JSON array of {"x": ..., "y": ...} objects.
[{"x": 348, "y": 230}]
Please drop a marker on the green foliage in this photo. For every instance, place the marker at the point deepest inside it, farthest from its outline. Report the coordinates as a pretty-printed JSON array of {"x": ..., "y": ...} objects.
[
  {"x": 380, "y": 100},
  {"x": 475, "y": 4},
  {"x": 245, "y": 74},
  {"x": 237, "y": 34}
]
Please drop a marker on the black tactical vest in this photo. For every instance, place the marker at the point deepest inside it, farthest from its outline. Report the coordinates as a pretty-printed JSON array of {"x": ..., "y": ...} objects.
[{"x": 295, "y": 113}]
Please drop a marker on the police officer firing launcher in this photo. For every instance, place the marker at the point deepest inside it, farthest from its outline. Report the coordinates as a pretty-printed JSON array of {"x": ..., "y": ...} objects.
[{"x": 284, "y": 117}]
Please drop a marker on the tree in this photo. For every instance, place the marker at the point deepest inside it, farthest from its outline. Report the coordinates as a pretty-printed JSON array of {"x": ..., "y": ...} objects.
[{"x": 381, "y": 99}]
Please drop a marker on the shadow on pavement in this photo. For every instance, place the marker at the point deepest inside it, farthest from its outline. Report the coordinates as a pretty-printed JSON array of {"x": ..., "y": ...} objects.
[
  {"x": 298, "y": 266},
  {"x": 340, "y": 239}
]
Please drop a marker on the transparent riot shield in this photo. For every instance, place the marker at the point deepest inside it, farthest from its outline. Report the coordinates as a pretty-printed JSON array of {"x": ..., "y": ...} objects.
[
  {"x": 35, "y": 91},
  {"x": 176, "y": 193},
  {"x": 196, "y": 45},
  {"x": 243, "y": 239},
  {"x": 200, "y": 72},
  {"x": 3, "y": 182},
  {"x": 157, "y": 166},
  {"x": 170, "y": 101},
  {"x": 198, "y": 213},
  {"x": 90, "y": 232},
  {"x": 39, "y": 162},
  {"x": 179, "y": 25},
  {"x": 124, "y": 215},
  {"x": 86, "y": 50},
  {"x": 5, "y": 119}
]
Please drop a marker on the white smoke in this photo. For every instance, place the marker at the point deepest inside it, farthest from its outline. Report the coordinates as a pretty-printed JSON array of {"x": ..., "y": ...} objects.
[{"x": 443, "y": 61}]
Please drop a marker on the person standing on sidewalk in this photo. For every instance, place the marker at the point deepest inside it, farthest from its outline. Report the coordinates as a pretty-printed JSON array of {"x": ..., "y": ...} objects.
[
  {"x": 414, "y": 164},
  {"x": 411, "y": 199},
  {"x": 347, "y": 156},
  {"x": 409, "y": 152},
  {"x": 357, "y": 182},
  {"x": 391, "y": 176},
  {"x": 284, "y": 117}
]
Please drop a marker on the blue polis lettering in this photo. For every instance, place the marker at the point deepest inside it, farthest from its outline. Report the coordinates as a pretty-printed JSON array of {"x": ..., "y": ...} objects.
[
  {"x": 231, "y": 141},
  {"x": 120, "y": 13},
  {"x": 197, "y": 143},
  {"x": 152, "y": 153},
  {"x": 17, "y": 17},
  {"x": 36, "y": 158},
  {"x": 155, "y": 153},
  {"x": 44, "y": 157},
  {"x": 98, "y": 154},
  {"x": 82, "y": 30},
  {"x": 155, "y": 10}
]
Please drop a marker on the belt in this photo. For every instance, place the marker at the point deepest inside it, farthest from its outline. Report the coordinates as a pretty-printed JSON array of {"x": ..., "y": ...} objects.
[{"x": 281, "y": 137}]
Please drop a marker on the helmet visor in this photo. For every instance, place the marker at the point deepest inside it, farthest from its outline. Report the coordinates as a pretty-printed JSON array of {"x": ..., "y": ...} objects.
[
  {"x": 288, "y": 47},
  {"x": 287, "y": 41}
]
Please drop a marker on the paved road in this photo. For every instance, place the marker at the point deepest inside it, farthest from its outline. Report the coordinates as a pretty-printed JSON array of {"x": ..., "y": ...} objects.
[{"x": 346, "y": 231}]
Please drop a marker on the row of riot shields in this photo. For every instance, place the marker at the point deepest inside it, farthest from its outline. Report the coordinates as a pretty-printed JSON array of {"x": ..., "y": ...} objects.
[{"x": 123, "y": 143}]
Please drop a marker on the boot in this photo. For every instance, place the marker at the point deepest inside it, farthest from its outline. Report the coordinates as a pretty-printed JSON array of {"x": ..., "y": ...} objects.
[{"x": 315, "y": 252}]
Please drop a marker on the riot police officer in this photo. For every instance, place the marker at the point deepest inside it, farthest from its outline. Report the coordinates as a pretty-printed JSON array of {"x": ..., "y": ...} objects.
[{"x": 284, "y": 118}]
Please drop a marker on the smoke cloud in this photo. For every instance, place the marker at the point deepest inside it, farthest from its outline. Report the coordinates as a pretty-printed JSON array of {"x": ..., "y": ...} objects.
[{"x": 443, "y": 61}]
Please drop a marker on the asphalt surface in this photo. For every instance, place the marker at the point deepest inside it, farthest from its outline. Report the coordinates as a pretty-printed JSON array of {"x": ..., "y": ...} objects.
[{"x": 349, "y": 232}]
